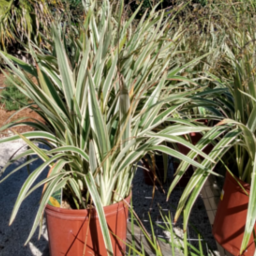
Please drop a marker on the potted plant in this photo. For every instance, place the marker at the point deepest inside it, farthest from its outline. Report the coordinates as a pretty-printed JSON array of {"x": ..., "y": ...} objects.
[
  {"x": 100, "y": 106},
  {"x": 235, "y": 218}
]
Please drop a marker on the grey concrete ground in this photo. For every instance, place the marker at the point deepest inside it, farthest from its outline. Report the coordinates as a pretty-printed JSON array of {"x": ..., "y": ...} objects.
[
  {"x": 143, "y": 203},
  {"x": 13, "y": 237}
]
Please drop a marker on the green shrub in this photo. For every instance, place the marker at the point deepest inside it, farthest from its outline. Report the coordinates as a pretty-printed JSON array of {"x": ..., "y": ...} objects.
[{"x": 11, "y": 97}]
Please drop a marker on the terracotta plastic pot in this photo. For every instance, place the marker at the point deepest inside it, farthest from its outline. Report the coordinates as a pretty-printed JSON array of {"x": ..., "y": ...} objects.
[
  {"x": 68, "y": 230},
  {"x": 195, "y": 137},
  {"x": 230, "y": 219}
]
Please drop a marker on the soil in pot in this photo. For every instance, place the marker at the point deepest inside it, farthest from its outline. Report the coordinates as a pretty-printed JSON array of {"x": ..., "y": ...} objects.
[
  {"x": 230, "y": 219},
  {"x": 69, "y": 230}
]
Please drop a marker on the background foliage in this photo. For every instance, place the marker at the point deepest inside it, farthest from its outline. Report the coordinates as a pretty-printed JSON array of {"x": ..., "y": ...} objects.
[
  {"x": 21, "y": 20},
  {"x": 11, "y": 98}
]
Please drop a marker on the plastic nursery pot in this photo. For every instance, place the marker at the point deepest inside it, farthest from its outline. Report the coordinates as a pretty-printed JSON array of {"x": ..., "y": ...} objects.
[
  {"x": 186, "y": 176},
  {"x": 71, "y": 232},
  {"x": 230, "y": 219},
  {"x": 195, "y": 137}
]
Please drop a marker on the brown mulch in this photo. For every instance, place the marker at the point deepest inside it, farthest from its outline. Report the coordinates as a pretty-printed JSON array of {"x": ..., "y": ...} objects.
[{"x": 5, "y": 115}]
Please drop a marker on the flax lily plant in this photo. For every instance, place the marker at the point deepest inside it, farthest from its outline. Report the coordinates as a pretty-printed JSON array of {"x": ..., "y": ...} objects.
[{"x": 102, "y": 114}]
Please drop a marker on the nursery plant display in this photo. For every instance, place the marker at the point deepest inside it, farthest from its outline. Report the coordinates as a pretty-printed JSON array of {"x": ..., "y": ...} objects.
[{"x": 101, "y": 109}]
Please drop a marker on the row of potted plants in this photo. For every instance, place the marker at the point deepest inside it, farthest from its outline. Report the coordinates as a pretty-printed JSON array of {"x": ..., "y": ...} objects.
[{"x": 109, "y": 98}]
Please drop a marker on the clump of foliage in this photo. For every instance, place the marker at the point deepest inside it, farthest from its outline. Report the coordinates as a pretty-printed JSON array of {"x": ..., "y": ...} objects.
[
  {"x": 23, "y": 20},
  {"x": 11, "y": 97},
  {"x": 209, "y": 28}
]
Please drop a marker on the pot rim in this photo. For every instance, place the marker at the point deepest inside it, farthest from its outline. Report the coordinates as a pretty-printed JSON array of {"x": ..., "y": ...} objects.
[
  {"x": 108, "y": 210},
  {"x": 245, "y": 185}
]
